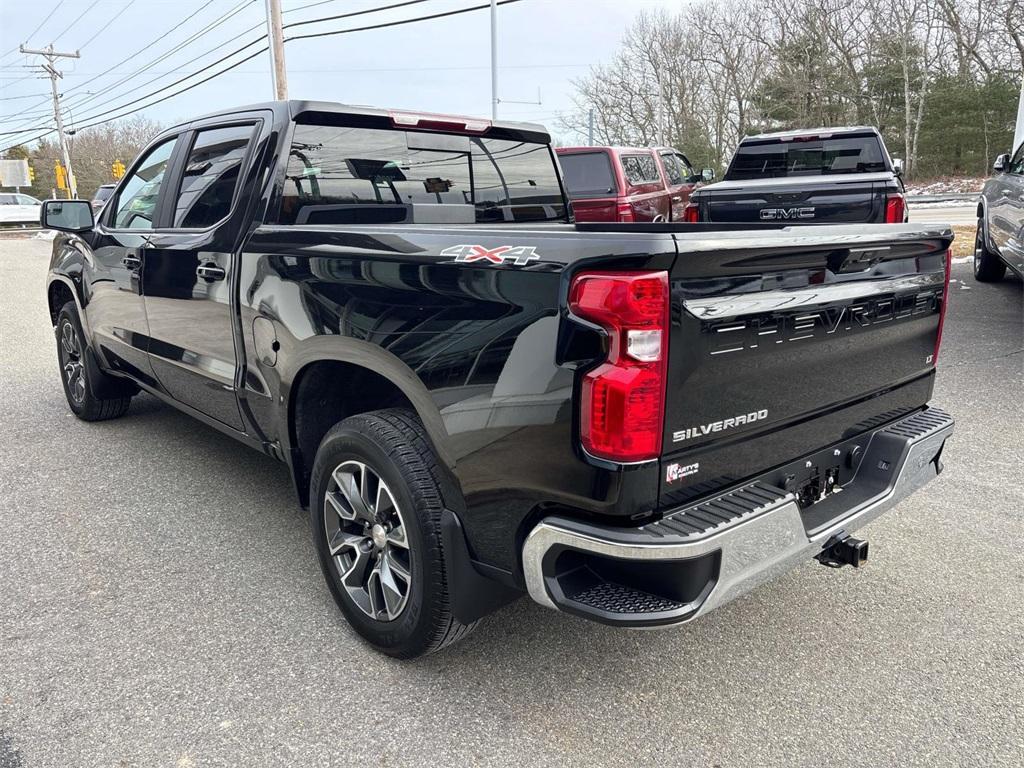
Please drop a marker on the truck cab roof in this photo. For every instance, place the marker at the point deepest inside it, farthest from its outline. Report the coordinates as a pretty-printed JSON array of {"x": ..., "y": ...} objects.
[
  {"x": 811, "y": 133},
  {"x": 293, "y": 109}
]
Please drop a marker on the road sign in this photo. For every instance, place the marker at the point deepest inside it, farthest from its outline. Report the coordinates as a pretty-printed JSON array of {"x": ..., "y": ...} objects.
[{"x": 14, "y": 173}]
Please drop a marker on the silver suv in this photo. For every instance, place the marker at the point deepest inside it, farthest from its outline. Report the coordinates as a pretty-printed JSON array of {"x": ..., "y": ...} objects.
[{"x": 999, "y": 242}]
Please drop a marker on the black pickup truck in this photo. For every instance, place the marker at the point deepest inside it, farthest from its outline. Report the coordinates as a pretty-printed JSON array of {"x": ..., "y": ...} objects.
[
  {"x": 477, "y": 397},
  {"x": 821, "y": 176}
]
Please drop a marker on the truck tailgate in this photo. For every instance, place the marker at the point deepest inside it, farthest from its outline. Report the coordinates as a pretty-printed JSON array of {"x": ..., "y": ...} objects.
[
  {"x": 849, "y": 199},
  {"x": 784, "y": 344}
]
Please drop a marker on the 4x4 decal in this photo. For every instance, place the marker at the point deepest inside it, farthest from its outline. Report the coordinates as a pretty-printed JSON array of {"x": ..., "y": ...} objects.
[{"x": 518, "y": 255}]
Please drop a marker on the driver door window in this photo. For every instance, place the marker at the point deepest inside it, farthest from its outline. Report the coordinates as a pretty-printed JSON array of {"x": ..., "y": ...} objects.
[{"x": 137, "y": 201}]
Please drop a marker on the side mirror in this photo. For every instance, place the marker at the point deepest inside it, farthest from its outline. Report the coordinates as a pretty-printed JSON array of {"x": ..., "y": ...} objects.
[
  {"x": 67, "y": 215},
  {"x": 897, "y": 166},
  {"x": 707, "y": 175},
  {"x": 1002, "y": 163}
]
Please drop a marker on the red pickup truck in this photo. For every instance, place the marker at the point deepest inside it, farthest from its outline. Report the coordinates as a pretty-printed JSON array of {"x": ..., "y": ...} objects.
[{"x": 626, "y": 184}]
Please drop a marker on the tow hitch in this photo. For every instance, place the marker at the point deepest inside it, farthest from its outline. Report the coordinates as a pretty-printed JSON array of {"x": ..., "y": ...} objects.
[{"x": 842, "y": 549}]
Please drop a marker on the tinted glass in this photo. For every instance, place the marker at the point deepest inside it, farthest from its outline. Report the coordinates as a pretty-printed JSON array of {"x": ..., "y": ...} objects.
[
  {"x": 684, "y": 164},
  {"x": 8, "y": 200},
  {"x": 211, "y": 175},
  {"x": 342, "y": 175},
  {"x": 1017, "y": 162},
  {"x": 588, "y": 174},
  {"x": 103, "y": 193},
  {"x": 672, "y": 169},
  {"x": 136, "y": 205},
  {"x": 640, "y": 169},
  {"x": 773, "y": 159}
]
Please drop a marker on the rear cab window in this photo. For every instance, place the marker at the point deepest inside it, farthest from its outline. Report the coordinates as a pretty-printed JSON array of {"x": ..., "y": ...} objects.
[
  {"x": 588, "y": 174},
  {"x": 342, "y": 174},
  {"x": 640, "y": 169},
  {"x": 807, "y": 156}
]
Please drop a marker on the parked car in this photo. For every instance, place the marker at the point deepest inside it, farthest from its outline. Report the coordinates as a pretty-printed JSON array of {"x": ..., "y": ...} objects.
[
  {"x": 103, "y": 193},
  {"x": 999, "y": 241},
  {"x": 627, "y": 184},
  {"x": 819, "y": 176},
  {"x": 18, "y": 209},
  {"x": 477, "y": 398}
]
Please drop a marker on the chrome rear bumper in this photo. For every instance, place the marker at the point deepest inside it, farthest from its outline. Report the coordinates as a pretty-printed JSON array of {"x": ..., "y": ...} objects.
[{"x": 688, "y": 571}]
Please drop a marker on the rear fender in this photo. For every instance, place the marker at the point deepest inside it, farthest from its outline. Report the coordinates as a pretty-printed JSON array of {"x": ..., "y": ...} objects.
[{"x": 376, "y": 360}]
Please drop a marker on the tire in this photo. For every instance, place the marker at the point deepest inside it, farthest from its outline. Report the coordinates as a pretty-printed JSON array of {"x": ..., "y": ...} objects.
[
  {"x": 988, "y": 267},
  {"x": 413, "y": 617},
  {"x": 82, "y": 380}
]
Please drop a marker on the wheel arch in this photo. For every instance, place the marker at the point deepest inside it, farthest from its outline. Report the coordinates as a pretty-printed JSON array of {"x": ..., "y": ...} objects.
[
  {"x": 332, "y": 379},
  {"x": 60, "y": 289}
]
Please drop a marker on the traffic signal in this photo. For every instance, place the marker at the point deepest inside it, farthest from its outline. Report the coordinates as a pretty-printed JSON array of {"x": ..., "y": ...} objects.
[
  {"x": 117, "y": 168},
  {"x": 62, "y": 176},
  {"x": 31, "y": 175}
]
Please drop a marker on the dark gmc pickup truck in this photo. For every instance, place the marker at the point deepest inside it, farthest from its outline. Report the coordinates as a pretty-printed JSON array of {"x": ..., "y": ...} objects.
[
  {"x": 478, "y": 398},
  {"x": 824, "y": 176}
]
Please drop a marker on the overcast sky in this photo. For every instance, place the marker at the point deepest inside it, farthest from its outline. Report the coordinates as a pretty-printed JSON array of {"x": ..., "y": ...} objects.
[{"x": 440, "y": 65}]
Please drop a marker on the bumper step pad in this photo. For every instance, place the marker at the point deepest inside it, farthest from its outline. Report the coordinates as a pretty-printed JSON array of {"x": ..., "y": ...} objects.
[
  {"x": 718, "y": 512},
  {"x": 618, "y": 598}
]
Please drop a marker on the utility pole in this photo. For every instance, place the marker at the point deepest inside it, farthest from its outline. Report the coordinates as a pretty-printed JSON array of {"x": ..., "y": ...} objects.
[
  {"x": 494, "y": 59},
  {"x": 275, "y": 32},
  {"x": 51, "y": 57}
]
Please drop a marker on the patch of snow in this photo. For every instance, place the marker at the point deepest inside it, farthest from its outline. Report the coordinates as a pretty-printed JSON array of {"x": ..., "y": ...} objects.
[{"x": 946, "y": 185}]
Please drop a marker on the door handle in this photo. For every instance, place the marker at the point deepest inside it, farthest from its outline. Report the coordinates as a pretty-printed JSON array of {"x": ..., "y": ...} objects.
[
  {"x": 210, "y": 272},
  {"x": 132, "y": 261}
]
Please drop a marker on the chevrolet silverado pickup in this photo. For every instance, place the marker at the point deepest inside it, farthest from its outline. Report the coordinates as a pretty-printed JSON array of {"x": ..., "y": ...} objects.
[
  {"x": 823, "y": 176},
  {"x": 478, "y": 398}
]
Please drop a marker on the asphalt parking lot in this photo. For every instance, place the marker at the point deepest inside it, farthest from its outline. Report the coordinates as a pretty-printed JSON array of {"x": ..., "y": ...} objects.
[{"x": 160, "y": 605}]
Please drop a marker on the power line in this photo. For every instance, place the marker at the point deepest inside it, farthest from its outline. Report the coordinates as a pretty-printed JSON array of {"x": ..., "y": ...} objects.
[
  {"x": 91, "y": 96},
  {"x": 103, "y": 114},
  {"x": 16, "y": 98},
  {"x": 104, "y": 27},
  {"x": 80, "y": 17},
  {"x": 132, "y": 55},
  {"x": 242, "y": 61},
  {"x": 432, "y": 16},
  {"x": 351, "y": 14},
  {"x": 28, "y": 37},
  {"x": 195, "y": 36}
]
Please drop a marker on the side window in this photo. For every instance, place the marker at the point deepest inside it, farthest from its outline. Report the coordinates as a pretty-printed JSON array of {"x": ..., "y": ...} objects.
[
  {"x": 211, "y": 175},
  {"x": 675, "y": 176},
  {"x": 1017, "y": 162},
  {"x": 26, "y": 200},
  {"x": 640, "y": 169},
  {"x": 687, "y": 169},
  {"x": 136, "y": 204}
]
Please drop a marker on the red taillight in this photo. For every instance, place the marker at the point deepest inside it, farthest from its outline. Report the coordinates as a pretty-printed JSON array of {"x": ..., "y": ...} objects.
[
  {"x": 624, "y": 213},
  {"x": 691, "y": 213},
  {"x": 623, "y": 399},
  {"x": 895, "y": 209},
  {"x": 942, "y": 309}
]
